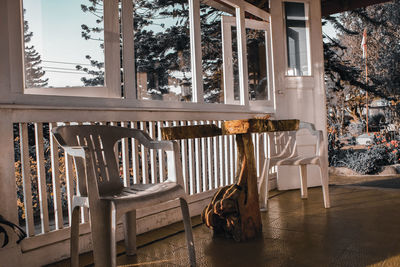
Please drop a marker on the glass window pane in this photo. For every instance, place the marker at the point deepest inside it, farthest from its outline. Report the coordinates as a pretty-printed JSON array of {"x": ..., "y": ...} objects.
[
  {"x": 63, "y": 43},
  {"x": 212, "y": 56},
  {"x": 297, "y": 39},
  {"x": 257, "y": 64},
  {"x": 162, "y": 50}
]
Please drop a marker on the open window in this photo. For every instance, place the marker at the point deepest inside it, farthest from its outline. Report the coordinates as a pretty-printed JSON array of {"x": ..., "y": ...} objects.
[
  {"x": 71, "y": 48},
  {"x": 259, "y": 62}
]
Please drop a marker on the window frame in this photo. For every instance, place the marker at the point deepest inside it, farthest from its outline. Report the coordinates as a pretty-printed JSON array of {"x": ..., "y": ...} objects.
[
  {"x": 112, "y": 80},
  {"x": 228, "y": 23},
  {"x": 110, "y": 96}
]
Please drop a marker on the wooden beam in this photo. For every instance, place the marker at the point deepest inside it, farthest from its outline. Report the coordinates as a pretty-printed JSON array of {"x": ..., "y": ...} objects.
[
  {"x": 258, "y": 126},
  {"x": 188, "y": 132}
]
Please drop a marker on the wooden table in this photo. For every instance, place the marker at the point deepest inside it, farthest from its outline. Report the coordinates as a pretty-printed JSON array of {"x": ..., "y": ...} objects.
[{"x": 234, "y": 210}]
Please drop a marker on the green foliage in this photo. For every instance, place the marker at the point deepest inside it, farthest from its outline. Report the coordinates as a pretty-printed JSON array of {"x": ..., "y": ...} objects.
[
  {"x": 364, "y": 161},
  {"x": 369, "y": 161}
]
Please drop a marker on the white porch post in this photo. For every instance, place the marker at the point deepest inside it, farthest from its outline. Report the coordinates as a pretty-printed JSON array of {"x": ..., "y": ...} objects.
[
  {"x": 9, "y": 255},
  {"x": 8, "y": 199}
]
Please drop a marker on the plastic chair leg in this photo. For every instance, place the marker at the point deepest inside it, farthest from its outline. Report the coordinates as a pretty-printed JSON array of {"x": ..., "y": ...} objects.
[
  {"x": 303, "y": 181},
  {"x": 188, "y": 231},
  {"x": 325, "y": 186},
  {"x": 74, "y": 242},
  {"x": 112, "y": 233},
  {"x": 130, "y": 232},
  {"x": 101, "y": 226}
]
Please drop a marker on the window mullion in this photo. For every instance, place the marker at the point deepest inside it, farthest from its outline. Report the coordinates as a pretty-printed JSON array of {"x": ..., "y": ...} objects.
[
  {"x": 195, "y": 51},
  {"x": 242, "y": 56},
  {"x": 17, "y": 45},
  {"x": 128, "y": 50}
]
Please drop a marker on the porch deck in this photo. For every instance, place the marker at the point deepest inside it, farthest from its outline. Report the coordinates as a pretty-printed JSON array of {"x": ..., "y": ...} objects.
[{"x": 361, "y": 229}]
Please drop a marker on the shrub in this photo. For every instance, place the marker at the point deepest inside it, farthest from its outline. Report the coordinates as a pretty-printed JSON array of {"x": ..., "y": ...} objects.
[
  {"x": 380, "y": 153},
  {"x": 334, "y": 148},
  {"x": 369, "y": 161}
]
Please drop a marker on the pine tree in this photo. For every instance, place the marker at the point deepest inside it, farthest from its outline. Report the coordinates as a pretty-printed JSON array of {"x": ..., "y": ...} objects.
[
  {"x": 96, "y": 71},
  {"x": 383, "y": 31},
  {"x": 345, "y": 67},
  {"x": 33, "y": 70}
]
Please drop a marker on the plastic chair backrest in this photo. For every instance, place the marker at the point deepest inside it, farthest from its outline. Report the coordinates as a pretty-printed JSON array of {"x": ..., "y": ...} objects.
[
  {"x": 282, "y": 144},
  {"x": 100, "y": 140}
]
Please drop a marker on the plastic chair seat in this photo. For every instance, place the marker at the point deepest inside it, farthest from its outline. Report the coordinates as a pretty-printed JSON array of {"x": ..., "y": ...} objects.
[{"x": 146, "y": 193}]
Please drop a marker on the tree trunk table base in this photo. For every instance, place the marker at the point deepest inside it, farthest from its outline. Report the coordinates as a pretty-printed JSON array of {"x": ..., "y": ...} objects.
[{"x": 234, "y": 210}]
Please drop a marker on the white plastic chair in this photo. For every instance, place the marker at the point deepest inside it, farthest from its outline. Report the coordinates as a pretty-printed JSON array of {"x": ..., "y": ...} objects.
[
  {"x": 100, "y": 188},
  {"x": 283, "y": 151}
]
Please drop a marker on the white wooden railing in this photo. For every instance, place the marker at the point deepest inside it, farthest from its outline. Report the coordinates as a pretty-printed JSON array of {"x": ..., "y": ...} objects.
[{"x": 46, "y": 182}]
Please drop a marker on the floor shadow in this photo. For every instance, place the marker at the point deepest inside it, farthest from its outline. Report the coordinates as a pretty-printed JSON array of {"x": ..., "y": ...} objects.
[{"x": 387, "y": 183}]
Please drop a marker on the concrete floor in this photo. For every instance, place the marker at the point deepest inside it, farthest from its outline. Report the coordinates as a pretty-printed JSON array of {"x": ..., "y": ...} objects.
[{"x": 361, "y": 229}]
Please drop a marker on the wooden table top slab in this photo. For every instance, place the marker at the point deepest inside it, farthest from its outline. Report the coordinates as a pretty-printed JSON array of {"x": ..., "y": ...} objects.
[{"x": 228, "y": 128}]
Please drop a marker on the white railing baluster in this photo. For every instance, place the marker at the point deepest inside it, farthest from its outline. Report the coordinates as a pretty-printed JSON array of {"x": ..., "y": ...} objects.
[
  {"x": 135, "y": 156},
  {"x": 69, "y": 182},
  {"x": 125, "y": 158},
  {"x": 216, "y": 158},
  {"x": 255, "y": 144},
  {"x": 143, "y": 150},
  {"x": 235, "y": 163},
  {"x": 185, "y": 170},
  {"x": 55, "y": 171},
  {"x": 26, "y": 179},
  {"x": 167, "y": 124},
  {"x": 210, "y": 161},
  {"x": 153, "y": 162},
  {"x": 41, "y": 174},
  {"x": 260, "y": 153},
  {"x": 161, "y": 157},
  {"x": 231, "y": 156},
  {"x": 226, "y": 155},
  {"x": 221, "y": 158},
  {"x": 198, "y": 162},
  {"x": 204, "y": 172},
  {"x": 192, "y": 171}
]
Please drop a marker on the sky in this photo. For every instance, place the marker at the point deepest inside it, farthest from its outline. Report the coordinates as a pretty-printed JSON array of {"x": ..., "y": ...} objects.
[
  {"x": 56, "y": 27},
  {"x": 329, "y": 30}
]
